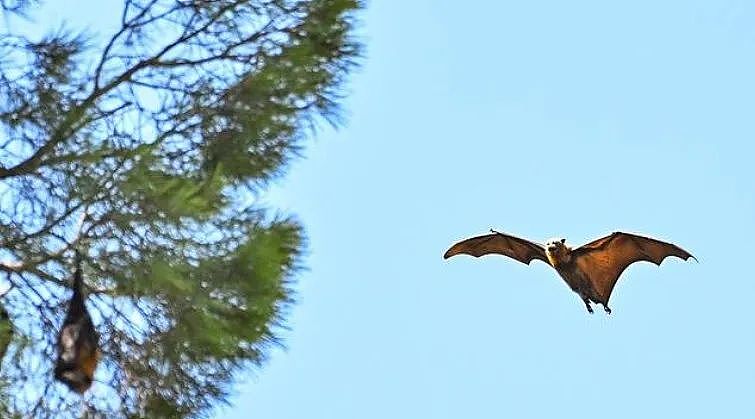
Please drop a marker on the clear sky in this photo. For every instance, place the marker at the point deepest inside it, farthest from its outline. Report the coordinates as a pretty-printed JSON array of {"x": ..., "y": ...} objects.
[{"x": 541, "y": 119}]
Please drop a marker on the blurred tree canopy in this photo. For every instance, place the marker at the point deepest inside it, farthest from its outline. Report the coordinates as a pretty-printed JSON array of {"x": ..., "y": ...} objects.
[{"x": 147, "y": 148}]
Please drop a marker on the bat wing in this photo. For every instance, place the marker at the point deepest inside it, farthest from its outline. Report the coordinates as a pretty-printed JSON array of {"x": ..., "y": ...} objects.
[
  {"x": 604, "y": 260},
  {"x": 503, "y": 244}
]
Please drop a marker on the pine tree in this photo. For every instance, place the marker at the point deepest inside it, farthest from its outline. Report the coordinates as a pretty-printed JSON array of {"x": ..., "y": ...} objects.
[{"x": 147, "y": 148}]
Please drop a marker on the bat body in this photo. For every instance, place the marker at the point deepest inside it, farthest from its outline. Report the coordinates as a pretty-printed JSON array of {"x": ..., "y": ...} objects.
[
  {"x": 6, "y": 331},
  {"x": 78, "y": 341},
  {"x": 591, "y": 270}
]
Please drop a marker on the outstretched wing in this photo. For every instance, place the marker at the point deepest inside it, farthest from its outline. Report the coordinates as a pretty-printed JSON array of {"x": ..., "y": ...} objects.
[
  {"x": 522, "y": 250},
  {"x": 604, "y": 260}
]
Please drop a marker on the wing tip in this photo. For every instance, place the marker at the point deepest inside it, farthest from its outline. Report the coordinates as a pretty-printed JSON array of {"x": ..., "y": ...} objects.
[
  {"x": 451, "y": 252},
  {"x": 684, "y": 256}
]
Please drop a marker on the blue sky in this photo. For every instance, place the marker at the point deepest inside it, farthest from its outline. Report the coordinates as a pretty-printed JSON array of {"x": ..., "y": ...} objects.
[{"x": 541, "y": 119}]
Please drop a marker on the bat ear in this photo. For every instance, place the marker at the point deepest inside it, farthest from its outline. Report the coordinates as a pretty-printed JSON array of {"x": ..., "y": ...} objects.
[{"x": 563, "y": 240}]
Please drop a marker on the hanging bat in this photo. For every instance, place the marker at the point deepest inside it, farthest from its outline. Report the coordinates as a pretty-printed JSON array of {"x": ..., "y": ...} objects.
[
  {"x": 590, "y": 270},
  {"x": 78, "y": 341},
  {"x": 6, "y": 331}
]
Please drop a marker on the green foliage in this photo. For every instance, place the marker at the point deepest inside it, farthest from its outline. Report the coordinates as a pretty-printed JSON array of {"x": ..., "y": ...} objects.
[
  {"x": 148, "y": 152},
  {"x": 173, "y": 196}
]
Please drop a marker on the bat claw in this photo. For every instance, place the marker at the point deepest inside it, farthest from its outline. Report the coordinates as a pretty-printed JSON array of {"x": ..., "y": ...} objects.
[{"x": 589, "y": 307}]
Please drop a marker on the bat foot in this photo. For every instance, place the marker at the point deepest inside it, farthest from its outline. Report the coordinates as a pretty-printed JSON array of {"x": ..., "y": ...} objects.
[
  {"x": 607, "y": 309},
  {"x": 589, "y": 307}
]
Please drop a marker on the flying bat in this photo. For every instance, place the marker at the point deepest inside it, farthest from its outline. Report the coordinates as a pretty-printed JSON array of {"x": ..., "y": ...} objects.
[{"x": 591, "y": 270}]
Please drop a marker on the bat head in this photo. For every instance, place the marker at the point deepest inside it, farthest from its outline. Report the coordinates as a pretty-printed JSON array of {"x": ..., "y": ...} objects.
[
  {"x": 557, "y": 251},
  {"x": 555, "y": 244}
]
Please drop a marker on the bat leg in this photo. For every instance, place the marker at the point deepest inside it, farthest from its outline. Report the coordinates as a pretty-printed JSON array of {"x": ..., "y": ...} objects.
[
  {"x": 606, "y": 308},
  {"x": 587, "y": 304}
]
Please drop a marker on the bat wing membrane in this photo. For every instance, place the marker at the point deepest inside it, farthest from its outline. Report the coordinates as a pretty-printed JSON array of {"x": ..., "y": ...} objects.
[
  {"x": 604, "y": 260},
  {"x": 498, "y": 243}
]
